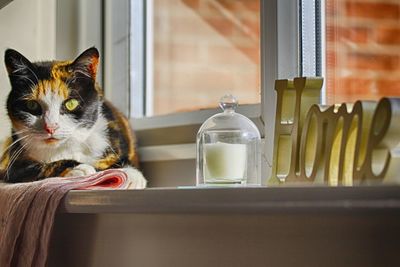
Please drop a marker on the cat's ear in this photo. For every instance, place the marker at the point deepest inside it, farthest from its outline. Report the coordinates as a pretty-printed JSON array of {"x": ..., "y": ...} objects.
[
  {"x": 86, "y": 63},
  {"x": 17, "y": 64}
]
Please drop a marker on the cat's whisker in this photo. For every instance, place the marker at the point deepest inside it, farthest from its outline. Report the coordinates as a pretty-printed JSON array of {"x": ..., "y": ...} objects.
[
  {"x": 20, "y": 151},
  {"x": 15, "y": 142},
  {"x": 113, "y": 151},
  {"x": 80, "y": 97},
  {"x": 87, "y": 120},
  {"x": 24, "y": 77},
  {"x": 63, "y": 135},
  {"x": 82, "y": 71},
  {"x": 69, "y": 81},
  {"x": 75, "y": 79},
  {"x": 34, "y": 74},
  {"x": 83, "y": 121},
  {"x": 21, "y": 131},
  {"x": 15, "y": 157},
  {"x": 7, "y": 150}
]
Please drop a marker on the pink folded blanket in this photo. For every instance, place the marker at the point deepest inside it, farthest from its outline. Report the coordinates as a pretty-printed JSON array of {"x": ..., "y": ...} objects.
[{"x": 27, "y": 213}]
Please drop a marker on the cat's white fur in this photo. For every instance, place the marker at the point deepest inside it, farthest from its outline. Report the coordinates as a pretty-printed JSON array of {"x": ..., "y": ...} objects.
[{"x": 77, "y": 143}]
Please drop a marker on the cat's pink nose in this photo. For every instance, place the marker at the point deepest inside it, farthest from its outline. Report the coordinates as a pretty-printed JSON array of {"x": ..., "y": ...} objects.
[{"x": 51, "y": 128}]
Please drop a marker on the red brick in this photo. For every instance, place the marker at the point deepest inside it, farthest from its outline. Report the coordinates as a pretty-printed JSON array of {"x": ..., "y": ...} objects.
[
  {"x": 230, "y": 5},
  {"x": 330, "y": 33},
  {"x": 372, "y": 10},
  {"x": 209, "y": 9},
  {"x": 214, "y": 14},
  {"x": 238, "y": 6},
  {"x": 331, "y": 8},
  {"x": 373, "y": 61},
  {"x": 388, "y": 87},
  {"x": 342, "y": 96},
  {"x": 331, "y": 59},
  {"x": 251, "y": 52},
  {"x": 353, "y": 86},
  {"x": 253, "y": 5},
  {"x": 388, "y": 35},
  {"x": 222, "y": 25},
  {"x": 349, "y": 88},
  {"x": 355, "y": 34},
  {"x": 253, "y": 25},
  {"x": 191, "y": 3},
  {"x": 347, "y": 34}
]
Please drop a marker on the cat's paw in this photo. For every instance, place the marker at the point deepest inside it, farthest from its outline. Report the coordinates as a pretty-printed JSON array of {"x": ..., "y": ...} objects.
[
  {"x": 80, "y": 170},
  {"x": 136, "y": 179}
]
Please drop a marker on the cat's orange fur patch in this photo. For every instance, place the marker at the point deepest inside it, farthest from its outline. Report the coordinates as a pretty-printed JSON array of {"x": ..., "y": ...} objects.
[
  {"x": 106, "y": 162},
  {"x": 63, "y": 173},
  {"x": 5, "y": 159},
  {"x": 93, "y": 67},
  {"x": 56, "y": 86},
  {"x": 60, "y": 70}
]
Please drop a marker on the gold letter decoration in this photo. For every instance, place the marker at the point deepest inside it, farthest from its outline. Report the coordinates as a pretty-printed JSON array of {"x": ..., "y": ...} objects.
[{"x": 342, "y": 144}]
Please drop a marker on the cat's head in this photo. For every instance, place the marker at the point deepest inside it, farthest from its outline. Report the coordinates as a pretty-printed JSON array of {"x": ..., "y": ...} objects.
[{"x": 55, "y": 100}]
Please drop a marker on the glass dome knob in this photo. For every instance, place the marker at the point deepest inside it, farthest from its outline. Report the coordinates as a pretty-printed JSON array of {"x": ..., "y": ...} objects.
[{"x": 228, "y": 103}]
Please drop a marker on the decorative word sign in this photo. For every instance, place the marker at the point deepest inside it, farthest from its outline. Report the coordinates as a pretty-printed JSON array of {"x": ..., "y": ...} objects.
[{"x": 337, "y": 145}]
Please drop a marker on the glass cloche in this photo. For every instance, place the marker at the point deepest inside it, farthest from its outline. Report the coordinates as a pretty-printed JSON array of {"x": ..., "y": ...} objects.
[{"x": 228, "y": 148}]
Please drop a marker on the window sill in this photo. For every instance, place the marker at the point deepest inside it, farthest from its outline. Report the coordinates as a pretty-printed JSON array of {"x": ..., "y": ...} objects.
[
  {"x": 181, "y": 128},
  {"x": 236, "y": 200}
]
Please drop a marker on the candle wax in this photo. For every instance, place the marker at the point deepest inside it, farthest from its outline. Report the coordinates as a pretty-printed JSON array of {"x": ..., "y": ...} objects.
[{"x": 225, "y": 163}]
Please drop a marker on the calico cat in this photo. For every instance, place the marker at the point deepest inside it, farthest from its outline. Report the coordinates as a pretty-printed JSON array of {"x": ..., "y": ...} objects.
[{"x": 61, "y": 124}]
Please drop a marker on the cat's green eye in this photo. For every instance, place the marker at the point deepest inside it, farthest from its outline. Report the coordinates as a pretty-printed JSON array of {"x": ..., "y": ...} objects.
[
  {"x": 32, "y": 105},
  {"x": 71, "y": 104}
]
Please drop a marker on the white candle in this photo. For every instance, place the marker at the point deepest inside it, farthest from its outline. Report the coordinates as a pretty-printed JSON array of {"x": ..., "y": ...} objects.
[{"x": 225, "y": 162}]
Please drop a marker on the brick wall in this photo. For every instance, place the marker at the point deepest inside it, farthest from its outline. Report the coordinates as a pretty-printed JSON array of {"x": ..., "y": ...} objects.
[
  {"x": 206, "y": 48},
  {"x": 363, "y": 49},
  {"x": 202, "y": 50}
]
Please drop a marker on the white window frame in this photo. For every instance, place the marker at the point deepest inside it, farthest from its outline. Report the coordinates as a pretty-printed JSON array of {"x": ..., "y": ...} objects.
[{"x": 281, "y": 57}]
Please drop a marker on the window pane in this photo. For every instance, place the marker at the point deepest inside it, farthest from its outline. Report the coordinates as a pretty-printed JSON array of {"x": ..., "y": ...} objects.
[
  {"x": 204, "y": 49},
  {"x": 363, "y": 49}
]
